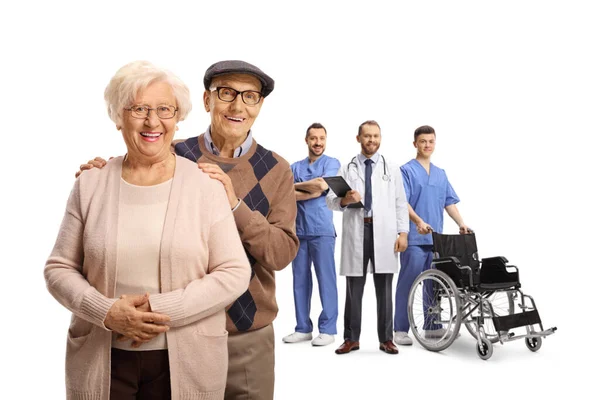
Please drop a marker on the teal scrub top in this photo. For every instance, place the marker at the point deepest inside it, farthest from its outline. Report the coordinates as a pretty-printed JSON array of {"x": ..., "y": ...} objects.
[
  {"x": 313, "y": 217},
  {"x": 428, "y": 195}
]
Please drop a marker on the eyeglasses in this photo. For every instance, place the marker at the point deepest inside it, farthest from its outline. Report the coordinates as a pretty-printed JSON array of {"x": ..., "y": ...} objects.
[
  {"x": 227, "y": 94},
  {"x": 163, "y": 111}
]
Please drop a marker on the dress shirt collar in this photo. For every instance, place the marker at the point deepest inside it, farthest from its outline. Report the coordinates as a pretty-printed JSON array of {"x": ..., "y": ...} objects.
[
  {"x": 374, "y": 158},
  {"x": 240, "y": 151}
]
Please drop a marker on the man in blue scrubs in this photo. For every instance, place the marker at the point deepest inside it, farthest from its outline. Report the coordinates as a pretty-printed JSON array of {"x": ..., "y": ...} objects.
[
  {"x": 429, "y": 193},
  {"x": 315, "y": 230}
]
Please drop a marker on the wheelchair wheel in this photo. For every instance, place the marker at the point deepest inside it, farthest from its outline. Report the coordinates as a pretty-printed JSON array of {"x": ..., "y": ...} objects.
[
  {"x": 503, "y": 303},
  {"x": 434, "y": 310},
  {"x": 533, "y": 343},
  {"x": 486, "y": 349}
]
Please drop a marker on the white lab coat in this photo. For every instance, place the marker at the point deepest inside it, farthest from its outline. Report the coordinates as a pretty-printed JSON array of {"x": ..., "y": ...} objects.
[{"x": 390, "y": 217}]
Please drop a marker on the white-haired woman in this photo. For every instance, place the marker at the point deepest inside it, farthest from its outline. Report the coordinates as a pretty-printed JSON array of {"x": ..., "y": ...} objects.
[{"x": 147, "y": 258}]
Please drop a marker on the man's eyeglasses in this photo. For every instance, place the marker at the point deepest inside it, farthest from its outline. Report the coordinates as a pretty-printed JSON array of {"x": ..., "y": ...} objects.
[
  {"x": 227, "y": 94},
  {"x": 162, "y": 111}
]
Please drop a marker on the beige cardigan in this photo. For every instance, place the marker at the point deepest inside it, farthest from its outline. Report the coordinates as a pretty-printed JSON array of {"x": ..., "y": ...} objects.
[{"x": 203, "y": 269}]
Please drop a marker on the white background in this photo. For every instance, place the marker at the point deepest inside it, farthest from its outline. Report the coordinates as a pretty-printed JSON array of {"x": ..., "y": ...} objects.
[{"x": 511, "y": 88}]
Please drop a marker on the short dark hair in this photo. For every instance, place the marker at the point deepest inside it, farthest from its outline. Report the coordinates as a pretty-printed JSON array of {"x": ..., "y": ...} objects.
[
  {"x": 423, "y": 130},
  {"x": 315, "y": 125},
  {"x": 369, "y": 122}
]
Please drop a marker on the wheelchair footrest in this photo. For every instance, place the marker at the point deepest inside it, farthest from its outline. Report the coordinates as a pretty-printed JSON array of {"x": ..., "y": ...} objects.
[{"x": 508, "y": 322}]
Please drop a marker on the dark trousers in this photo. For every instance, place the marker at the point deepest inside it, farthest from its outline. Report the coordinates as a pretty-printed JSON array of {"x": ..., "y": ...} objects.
[
  {"x": 355, "y": 286},
  {"x": 139, "y": 375}
]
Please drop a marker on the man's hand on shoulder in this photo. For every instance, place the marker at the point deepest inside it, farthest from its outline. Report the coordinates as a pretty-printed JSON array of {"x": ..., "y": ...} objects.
[
  {"x": 97, "y": 162},
  {"x": 215, "y": 172}
]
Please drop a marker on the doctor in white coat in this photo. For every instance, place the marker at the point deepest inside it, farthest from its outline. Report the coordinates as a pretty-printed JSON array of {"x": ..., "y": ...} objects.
[{"x": 371, "y": 236}]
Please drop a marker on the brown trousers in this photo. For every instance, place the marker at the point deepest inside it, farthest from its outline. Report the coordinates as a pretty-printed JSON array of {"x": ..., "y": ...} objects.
[
  {"x": 139, "y": 375},
  {"x": 251, "y": 373}
]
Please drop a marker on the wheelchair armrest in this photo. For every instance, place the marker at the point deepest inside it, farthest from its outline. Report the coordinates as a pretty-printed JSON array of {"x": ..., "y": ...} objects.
[
  {"x": 496, "y": 261},
  {"x": 495, "y": 269},
  {"x": 462, "y": 275},
  {"x": 500, "y": 259},
  {"x": 513, "y": 266},
  {"x": 447, "y": 259},
  {"x": 451, "y": 260}
]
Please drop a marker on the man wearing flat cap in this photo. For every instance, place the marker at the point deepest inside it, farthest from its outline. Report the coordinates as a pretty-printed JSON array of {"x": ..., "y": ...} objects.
[{"x": 260, "y": 188}]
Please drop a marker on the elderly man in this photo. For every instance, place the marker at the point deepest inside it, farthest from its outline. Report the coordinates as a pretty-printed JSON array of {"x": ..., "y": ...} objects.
[{"x": 260, "y": 189}]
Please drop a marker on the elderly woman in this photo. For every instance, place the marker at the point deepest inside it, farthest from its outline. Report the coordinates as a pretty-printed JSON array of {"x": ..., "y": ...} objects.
[{"x": 147, "y": 258}]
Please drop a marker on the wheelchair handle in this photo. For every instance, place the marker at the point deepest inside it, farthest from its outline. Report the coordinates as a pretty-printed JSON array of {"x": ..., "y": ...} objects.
[{"x": 430, "y": 229}]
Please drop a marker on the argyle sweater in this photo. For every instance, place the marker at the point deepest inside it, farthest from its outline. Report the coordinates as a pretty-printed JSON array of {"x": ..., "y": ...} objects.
[{"x": 265, "y": 219}]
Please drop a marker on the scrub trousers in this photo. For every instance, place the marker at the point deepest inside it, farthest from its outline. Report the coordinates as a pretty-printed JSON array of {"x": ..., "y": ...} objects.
[
  {"x": 413, "y": 261},
  {"x": 319, "y": 251}
]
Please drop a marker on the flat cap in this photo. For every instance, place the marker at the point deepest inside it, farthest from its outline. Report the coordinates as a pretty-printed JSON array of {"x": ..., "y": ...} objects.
[{"x": 239, "y": 67}]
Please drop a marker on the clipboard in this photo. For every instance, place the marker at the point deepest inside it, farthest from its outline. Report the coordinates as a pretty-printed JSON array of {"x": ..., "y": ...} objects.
[{"x": 340, "y": 187}]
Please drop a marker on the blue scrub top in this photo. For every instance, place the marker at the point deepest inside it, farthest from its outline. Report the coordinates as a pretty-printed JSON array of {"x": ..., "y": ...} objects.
[
  {"x": 428, "y": 195},
  {"x": 314, "y": 218}
]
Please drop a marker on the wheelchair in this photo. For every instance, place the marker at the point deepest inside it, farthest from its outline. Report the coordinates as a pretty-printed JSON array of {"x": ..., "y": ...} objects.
[{"x": 485, "y": 295}]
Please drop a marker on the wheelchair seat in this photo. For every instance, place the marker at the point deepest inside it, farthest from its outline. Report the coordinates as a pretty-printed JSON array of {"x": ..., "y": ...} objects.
[{"x": 498, "y": 285}]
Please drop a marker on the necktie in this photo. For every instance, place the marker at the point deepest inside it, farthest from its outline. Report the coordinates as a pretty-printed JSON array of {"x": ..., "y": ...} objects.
[{"x": 368, "y": 172}]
